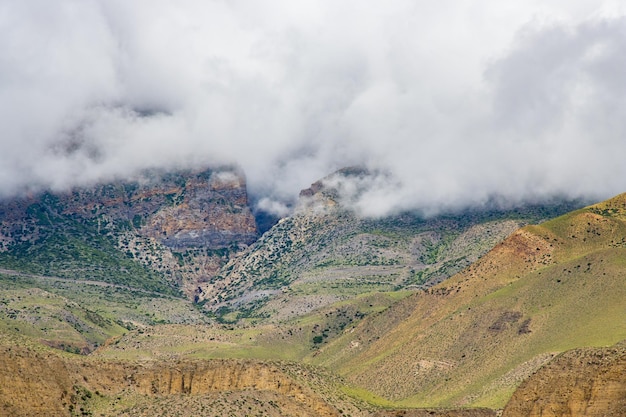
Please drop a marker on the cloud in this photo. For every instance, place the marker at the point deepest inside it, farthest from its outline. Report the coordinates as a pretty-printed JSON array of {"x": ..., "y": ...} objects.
[{"x": 454, "y": 102}]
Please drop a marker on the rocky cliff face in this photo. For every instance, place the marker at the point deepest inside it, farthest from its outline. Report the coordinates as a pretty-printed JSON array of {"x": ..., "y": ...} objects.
[
  {"x": 36, "y": 382},
  {"x": 180, "y": 225},
  {"x": 207, "y": 209},
  {"x": 582, "y": 383}
]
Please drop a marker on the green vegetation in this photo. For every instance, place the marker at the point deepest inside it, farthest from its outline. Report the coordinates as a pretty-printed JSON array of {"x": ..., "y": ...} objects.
[
  {"x": 79, "y": 316},
  {"x": 71, "y": 247},
  {"x": 473, "y": 338},
  {"x": 335, "y": 254}
]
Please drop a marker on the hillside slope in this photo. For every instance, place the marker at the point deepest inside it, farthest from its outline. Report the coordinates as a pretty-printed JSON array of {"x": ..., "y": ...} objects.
[
  {"x": 163, "y": 231},
  {"x": 35, "y": 381},
  {"x": 79, "y": 267},
  {"x": 473, "y": 338},
  {"x": 587, "y": 382},
  {"x": 325, "y": 252}
]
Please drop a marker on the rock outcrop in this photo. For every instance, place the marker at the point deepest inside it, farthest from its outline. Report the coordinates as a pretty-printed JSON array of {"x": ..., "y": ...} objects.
[
  {"x": 181, "y": 210},
  {"x": 38, "y": 383},
  {"x": 183, "y": 225},
  {"x": 583, "y": 383}
]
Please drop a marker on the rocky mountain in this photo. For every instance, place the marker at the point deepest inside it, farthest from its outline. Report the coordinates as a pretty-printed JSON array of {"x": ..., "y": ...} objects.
[
  {"x": 325, "y": 252},
  {"x": 470, "y": 340},
  {"x": 161, "y": 230},
  {"x": 104, "y": 294}
]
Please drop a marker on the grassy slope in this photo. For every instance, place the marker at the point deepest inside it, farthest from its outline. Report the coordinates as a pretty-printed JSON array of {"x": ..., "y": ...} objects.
[
  {"x": 473, "y": 338},
  {"x": 79, "y": 316},
  {"x": 315, "y": 258},
  {"x": 291, "y": 340}
]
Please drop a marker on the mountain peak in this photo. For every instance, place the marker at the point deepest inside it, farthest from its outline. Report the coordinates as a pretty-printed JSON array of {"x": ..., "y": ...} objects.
[{"x": 336, "y": 189}]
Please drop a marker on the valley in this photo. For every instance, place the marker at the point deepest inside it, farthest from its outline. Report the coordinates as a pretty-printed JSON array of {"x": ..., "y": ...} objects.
[{"x": 159, "y": 296}]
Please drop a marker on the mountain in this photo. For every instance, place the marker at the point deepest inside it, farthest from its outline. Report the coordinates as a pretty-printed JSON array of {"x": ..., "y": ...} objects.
[
  {"x": 164, "y": 231},
  {"x": 325, "y": 252},
  {"x": 152, "y": 297},
  {"x": 470, "y": 340},
  {"x": 80, "y": 267}
]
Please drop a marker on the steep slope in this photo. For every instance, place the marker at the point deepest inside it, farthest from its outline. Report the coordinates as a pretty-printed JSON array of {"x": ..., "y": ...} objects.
[
  {"x": 587, "y": 382},
  {"x": 79, "y": 267},
  {"x": 325, "y": 253},
  {"x": 159, "y": 232},
  {"x": 473, "y": 338}
]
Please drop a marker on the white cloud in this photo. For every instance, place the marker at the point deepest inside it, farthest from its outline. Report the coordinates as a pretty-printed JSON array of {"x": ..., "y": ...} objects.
[{"x": 454, "y": 101}]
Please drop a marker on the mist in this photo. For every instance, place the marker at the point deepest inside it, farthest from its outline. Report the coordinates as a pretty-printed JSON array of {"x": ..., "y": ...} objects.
[{"x": 453, "y": 103}]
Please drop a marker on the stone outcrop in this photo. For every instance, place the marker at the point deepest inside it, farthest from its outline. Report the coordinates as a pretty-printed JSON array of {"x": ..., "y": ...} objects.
[
  {"x": 181, "y": 210},
  {"x": 184, "y": 224},
  {"x": 209, "y": 212},
  {"x": 583, "y": 383},
  {"x": 38, "y": 383},
  {"x": 184, "y": 209}
]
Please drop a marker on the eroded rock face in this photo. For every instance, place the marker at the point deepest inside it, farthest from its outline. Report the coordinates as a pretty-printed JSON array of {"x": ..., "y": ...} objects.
[
  {"x": 583, "y": 382},
  {"x": 37, "y": 383},
  {"x": 210, "y": 211},
  {"x": 184, "y": 224},
  {"x": 181, "y": 210}
]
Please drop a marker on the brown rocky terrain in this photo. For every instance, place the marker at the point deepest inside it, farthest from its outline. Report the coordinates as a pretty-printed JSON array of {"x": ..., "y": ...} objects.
[
  {"x": 587, "y": 382},
  {"x": 37, "y": 382}
]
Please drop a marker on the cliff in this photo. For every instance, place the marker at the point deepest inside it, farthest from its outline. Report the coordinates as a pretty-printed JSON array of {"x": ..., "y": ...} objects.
[
  {"x": 174, "y": 228},
  {"x": 37, "y": 382},
  {"x": 34, "y": 382},
  {"x": 582, "y": 382},
  {"x": 179, "y": 209}
]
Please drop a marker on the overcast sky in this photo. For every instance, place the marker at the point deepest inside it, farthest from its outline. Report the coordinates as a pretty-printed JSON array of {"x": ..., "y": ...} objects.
[{"x": 454, "y": 101}]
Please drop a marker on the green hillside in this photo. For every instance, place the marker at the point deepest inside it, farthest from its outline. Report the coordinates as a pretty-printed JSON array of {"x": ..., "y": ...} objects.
[
  {"x": 325, "y": 253},
  {"x": 55, "y": 243},
  {"x": 473, "y": 338},
  {"x": 78, "y": 316}
]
